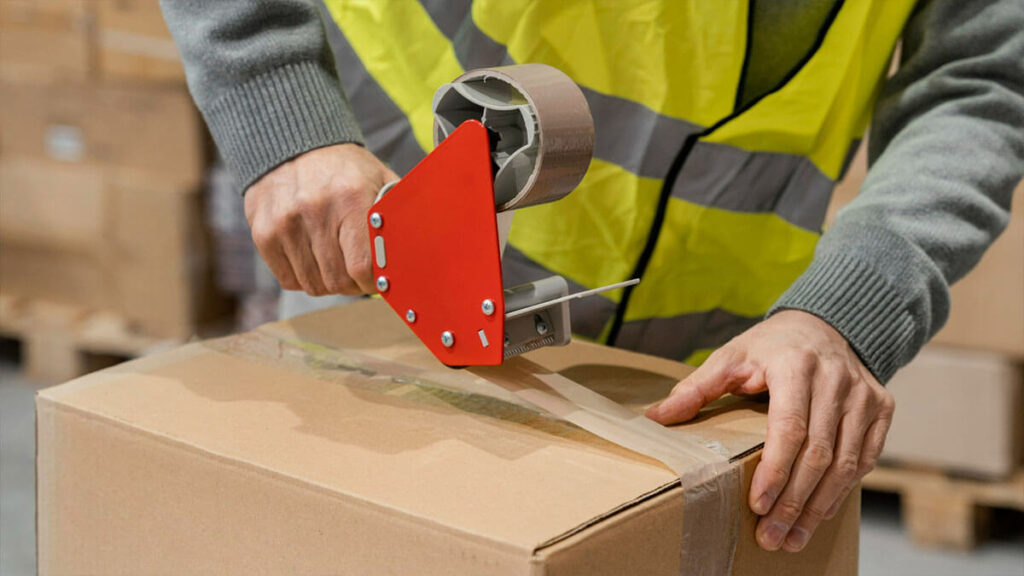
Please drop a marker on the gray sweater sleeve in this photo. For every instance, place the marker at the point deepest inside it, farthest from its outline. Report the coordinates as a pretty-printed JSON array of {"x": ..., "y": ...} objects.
[
  {"x": 263, "y": 77},
  {"x": 946, "y": 150}
]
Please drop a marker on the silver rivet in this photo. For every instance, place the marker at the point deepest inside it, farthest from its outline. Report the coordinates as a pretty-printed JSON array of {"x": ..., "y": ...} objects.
[
  {"x": 448, "y": 339},
  {"x": 382, "y": 284},
  {"x": 410, "y": 316},
  {"x": 487, "y": 306},
  {"x": 542, "y": 327},
  {"x": 375, "y": 220}
]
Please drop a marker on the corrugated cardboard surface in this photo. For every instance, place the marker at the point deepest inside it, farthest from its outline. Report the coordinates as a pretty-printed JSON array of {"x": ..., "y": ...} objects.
[
  {"x": 84, "y": 235},
  {"x": 959, "y": 410},
  {"x": 45, "y": 39},
  {"x": 134, "y": 42},
  {"x": 152, "y": 131},
  {"x": 276, "y": 452}
]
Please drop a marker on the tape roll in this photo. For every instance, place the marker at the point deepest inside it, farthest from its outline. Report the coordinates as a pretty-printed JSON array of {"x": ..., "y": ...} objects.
[{"x": 542, "y": 133}]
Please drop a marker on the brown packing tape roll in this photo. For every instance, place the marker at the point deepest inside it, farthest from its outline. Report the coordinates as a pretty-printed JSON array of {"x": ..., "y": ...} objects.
[
  {"x": 711, "y": 484},
  {"x": 541, "y": 102}
]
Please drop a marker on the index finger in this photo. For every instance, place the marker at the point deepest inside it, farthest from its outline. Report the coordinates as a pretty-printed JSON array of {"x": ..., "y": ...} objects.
[
  {"x": 711, "y": 380},
  {"x": 788, "y": 412}
]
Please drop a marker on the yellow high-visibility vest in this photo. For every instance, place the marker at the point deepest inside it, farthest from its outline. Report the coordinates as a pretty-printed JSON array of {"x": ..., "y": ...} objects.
[{"x": 715, "y": 205}]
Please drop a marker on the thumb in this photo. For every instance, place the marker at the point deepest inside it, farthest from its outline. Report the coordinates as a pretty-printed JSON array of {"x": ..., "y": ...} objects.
[{"x": 706, "y": 384}]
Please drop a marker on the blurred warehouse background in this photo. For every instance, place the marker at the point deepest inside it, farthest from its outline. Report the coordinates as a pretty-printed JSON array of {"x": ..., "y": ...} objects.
[{"x": 120, "y": 234}]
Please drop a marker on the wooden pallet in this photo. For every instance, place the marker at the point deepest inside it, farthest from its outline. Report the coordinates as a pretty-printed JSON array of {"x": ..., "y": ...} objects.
[
  {"x": 940, "y": 510},
  {"x": 60, "y": 342}
]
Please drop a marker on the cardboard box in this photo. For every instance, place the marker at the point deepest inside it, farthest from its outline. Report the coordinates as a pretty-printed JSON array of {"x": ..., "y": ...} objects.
[
  {"x": 988, "y": 304},
  {"x": 959, "y": 410},
  {"x": 45, "y": 40},
  {"x": 99, "y": 239},
  {"x": 155, "y": 131},
  {"x": 987, "y": 310},
  {"x": 52, "y": 204},
  {"x": 134, "y": 43},
  {"x": 334, "y": 443}
]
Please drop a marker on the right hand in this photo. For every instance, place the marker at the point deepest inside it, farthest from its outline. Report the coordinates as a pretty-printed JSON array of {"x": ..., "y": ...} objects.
[{"x": 308, "y": 219}]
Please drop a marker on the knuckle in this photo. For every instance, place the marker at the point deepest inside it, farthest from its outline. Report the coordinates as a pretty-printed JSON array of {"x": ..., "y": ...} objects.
[
  {"x": 359, "y": 268},
  {"x": 867, "y": 464},
  {"x": 792, "y": 428},
  {"x": 815, "y": 512},
  {"x": 888, "y": 404},
  {"x": 287, "y": 220},
  {"x": 332, "y": 285},
  {"x": 351, "y": 196},
  {"x": 262, "y": 236},
  {"x": 818, "y": 456},
  {"x": 312, "y": 205},
  {"x": 847, "y": 468},
  {"x": 778, "y": 476},
  {"x": 788, "y": 510}
]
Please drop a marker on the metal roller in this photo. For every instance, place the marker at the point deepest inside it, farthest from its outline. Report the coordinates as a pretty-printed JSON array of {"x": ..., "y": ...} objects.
[{"x": 542, "y": 133}]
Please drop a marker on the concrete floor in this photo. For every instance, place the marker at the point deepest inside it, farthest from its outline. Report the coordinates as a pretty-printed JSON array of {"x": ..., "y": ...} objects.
[{"x": 884, "y": 550}]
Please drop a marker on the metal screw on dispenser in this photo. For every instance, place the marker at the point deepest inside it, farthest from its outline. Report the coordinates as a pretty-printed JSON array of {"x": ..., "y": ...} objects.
[
  {"x": 448, "y": 339},
  {"x": 540, "y": 325},
  {"x": 487, "y": 306},
  {"x": 375, "y": 220},
  {"x": 382, "y": 284},
  {"x": 410, "y": 316}
]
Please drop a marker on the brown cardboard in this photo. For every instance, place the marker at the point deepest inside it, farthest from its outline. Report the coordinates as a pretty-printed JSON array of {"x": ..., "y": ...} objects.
[
  {"x": 154, "y": 131},
  {"x": 82, "y": 235},
  {"x": 134, "y": 43},
  {"x": 45, "y": 40},
  {"x": 958, "y": 410},
  {"x": 52, "y": 204},
  {"x": 988, "y": 304},
  {"x": 987, "y": 311},
  {"x": 279, "y": 451}
]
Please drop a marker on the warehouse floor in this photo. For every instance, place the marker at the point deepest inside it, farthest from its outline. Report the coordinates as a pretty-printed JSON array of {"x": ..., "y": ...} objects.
[{"x": 884, "y": 548}]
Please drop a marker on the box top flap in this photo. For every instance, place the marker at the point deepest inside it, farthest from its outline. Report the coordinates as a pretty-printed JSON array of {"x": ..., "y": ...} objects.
[{"x": 348, "y": 401}]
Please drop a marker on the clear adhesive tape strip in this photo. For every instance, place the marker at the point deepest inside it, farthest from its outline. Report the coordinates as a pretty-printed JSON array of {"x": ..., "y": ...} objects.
[{"x": 711, "y": 485}]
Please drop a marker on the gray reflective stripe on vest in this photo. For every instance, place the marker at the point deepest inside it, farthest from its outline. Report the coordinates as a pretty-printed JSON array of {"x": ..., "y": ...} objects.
[
  {"x": 589, "y": 315},
  {"x": 679, "y": 336},
  {"x": 386, "y": 128},
  {"x": 619, "y": 124},
  {"x": 734, "y": 179}
]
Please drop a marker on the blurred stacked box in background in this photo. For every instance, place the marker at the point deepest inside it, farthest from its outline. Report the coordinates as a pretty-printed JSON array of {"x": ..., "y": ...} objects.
[
  {"x": 239, "y": 269},
  {"x": 956, "y": 446},
  {"x": 103, "y": 161}
]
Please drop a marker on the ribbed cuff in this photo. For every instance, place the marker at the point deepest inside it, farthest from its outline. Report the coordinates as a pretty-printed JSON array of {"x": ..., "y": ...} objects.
[
  {"x": 861, "y": 304},
  {"x": 279, "y": 115}
]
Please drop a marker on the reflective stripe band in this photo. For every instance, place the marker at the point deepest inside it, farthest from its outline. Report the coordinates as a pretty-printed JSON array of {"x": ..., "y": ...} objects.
[
  {"x": 681, "y": 59},
  {"x": 589, "y": 315},
  {"x": 734, "y": 179},
  {"x": 707, "y": 258},
  {"x": 385, "y": 127},
  {"x": 409, "y": 66},
  {"x": 628, "y": 133},
  {"x": 678, "y": 337},
  {"x": 448, "y": 15}
]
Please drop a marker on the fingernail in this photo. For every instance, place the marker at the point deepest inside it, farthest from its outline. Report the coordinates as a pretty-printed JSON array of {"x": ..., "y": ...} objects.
[
  {"x": 797, "y": 539},
  {"x": 652, "y": 412},
  {"x": 833, "y": 510},
  {"x": 772, "y": 535},
  {"x": 763, "y": 504}
]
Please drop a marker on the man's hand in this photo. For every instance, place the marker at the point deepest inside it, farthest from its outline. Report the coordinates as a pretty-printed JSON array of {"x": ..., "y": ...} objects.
[
  {"x": 308, "y": 219},
  {"x": 827, "y": 419}
]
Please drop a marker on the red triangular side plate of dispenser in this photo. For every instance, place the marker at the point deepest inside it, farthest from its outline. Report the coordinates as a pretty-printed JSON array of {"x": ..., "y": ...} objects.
[{"x": 436, "y": 248}]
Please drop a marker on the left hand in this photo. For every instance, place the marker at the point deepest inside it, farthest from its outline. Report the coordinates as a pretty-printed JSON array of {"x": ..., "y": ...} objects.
[{"x": 827, "y": 419}]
